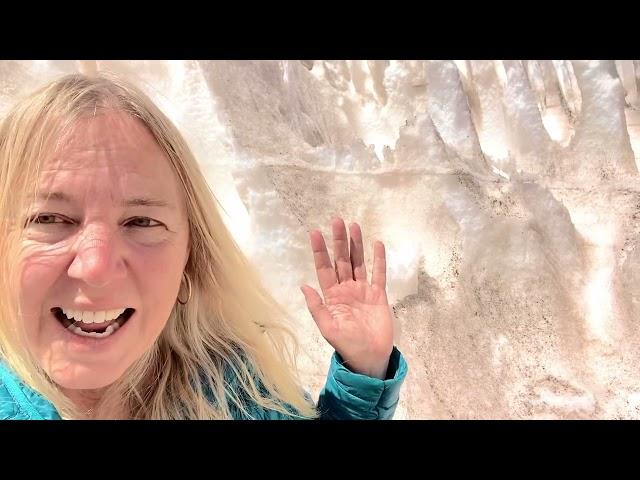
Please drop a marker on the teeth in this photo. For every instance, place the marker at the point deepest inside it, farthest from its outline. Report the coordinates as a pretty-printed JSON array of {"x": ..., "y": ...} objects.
[
  {"x": 78, "y": 331},
  {"x": 93, "y": 317}
]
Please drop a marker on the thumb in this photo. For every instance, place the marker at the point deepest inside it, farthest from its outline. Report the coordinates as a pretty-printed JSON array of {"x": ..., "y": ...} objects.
[{"x": 315, "y": 305}]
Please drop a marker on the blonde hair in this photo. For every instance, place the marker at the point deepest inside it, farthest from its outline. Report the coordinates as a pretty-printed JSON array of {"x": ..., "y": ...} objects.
[{"x": 227, "y": 349}]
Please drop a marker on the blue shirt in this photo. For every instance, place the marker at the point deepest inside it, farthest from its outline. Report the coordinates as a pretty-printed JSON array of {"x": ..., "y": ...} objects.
[{"x": 345, "y": 396}]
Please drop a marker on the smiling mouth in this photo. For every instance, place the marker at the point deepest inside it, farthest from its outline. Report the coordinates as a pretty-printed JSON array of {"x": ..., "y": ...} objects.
[{"x": 85, "y": 327}]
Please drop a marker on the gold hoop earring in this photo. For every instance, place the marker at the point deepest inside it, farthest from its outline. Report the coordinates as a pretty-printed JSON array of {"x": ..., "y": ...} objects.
[{"x": 186, "y": 275}]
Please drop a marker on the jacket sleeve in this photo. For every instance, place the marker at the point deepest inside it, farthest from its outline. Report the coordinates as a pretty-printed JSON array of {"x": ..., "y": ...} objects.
[{"x": 351, "y": 396}]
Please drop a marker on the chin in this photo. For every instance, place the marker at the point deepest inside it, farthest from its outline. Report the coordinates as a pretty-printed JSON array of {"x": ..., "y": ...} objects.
[{"x": 81, "y": 377}]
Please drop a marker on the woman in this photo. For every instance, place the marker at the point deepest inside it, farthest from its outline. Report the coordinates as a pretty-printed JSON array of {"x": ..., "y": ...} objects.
[{"x": 124, "y": 296}]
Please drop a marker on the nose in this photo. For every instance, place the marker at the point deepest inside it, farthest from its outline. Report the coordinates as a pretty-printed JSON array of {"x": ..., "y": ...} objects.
[{"x": 98, "y": 259}]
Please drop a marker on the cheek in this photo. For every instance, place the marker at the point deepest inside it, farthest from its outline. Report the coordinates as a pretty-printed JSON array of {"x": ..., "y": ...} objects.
[
  {"x": 159, "y": 271},
  {"x": 39, "y": 269}
]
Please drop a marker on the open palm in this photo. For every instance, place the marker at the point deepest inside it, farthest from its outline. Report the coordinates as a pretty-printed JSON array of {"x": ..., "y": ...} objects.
[{"x": 355, "y": 317}]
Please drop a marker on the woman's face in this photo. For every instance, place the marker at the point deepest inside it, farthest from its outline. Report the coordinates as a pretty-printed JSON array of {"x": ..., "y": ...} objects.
[{"x": 104, "y": 252}]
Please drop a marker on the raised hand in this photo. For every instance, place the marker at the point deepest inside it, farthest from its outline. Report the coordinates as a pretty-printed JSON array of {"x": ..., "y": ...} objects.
[{"x": 354, "y": 317}]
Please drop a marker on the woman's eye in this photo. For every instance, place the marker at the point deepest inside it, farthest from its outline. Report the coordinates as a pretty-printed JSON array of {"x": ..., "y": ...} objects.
[
  {"x": 142, "y": 222},
  {"x": 48, "y": 218}
]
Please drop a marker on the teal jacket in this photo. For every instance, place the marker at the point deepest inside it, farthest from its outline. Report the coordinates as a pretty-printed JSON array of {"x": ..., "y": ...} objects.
[{"x": 345, "y": 396}]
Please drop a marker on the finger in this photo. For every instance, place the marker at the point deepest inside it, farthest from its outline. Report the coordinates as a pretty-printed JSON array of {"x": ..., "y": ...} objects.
[
  {"x": 379, "y": 276},
  {"x": 341, "y": 251},
  {"x": 356, "y": 250},
  {"x": 318, "y": 311},
  {"x": 324, "y": 268}
]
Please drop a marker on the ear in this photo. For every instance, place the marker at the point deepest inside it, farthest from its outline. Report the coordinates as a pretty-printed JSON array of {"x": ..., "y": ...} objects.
[
  {"x": 187, "y": 256},
  {"x": 188, "y": 252}
]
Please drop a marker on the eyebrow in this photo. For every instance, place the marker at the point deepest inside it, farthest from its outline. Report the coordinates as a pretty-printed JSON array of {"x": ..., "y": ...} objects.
[
  {"x": 132, "y": 202},
  {"x": 146, "y": 202}
]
